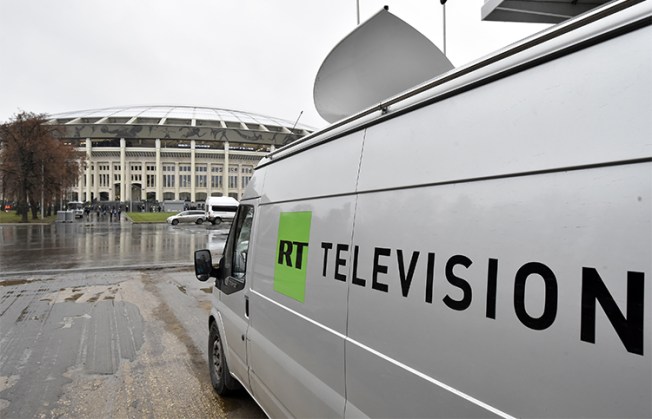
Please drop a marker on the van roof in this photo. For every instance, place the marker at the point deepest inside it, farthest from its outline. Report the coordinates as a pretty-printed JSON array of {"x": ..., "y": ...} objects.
[
  {"x": 554, "y": 42},
  {"x": 222, "y": 200}
]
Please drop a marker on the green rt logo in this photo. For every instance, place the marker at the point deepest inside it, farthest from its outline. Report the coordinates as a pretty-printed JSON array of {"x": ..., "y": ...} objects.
[{"x": 292, "y": 254}]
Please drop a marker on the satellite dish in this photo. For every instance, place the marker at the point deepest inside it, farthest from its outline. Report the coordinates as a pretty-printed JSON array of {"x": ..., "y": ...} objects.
[{"x": 379, "y": 59}]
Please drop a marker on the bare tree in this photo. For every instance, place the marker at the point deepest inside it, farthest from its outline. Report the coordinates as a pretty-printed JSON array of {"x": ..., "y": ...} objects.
[{"x": 36, "y": 161}]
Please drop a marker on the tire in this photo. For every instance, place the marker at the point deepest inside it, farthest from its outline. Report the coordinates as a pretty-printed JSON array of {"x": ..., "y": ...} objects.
[
  {"x": 199, "y": 221},
  {"x": 221, "y": 379},
  {"x": 217, "y": 221},
  {"x": 175, "y": 222}
]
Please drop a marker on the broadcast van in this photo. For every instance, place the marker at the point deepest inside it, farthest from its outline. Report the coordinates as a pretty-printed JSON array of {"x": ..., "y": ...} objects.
[{"x": 477, "y": 246}]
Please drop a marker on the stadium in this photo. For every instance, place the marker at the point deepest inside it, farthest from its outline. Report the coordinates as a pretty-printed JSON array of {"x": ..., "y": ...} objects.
[{"x": 154, "y": 154}]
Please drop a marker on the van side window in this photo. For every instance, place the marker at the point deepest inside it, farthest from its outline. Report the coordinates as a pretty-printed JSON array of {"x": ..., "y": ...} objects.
[
  {"x": 224, "y": 208},
  {"x": 241, "y": 246}
]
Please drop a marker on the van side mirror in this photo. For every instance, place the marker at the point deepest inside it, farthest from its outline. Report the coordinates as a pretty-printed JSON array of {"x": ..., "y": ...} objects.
[{"x": 204, "y": 265}]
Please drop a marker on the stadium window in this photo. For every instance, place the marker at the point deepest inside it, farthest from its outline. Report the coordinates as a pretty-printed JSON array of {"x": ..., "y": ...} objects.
[
  {"x": 245, "y": 181},
  {"x": 168, "y": 181}
]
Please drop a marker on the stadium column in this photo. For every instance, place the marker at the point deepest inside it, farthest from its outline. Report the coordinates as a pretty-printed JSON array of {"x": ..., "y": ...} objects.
[
  {"x": 89, "y": 170},
  {"x": 96, "y": 181},
  {"x": 111, "y": 181},
  {"x": 176, "y": 180},
  {"x": 225, "y": 174},
  {"x": 193, "y": 184},
  {"x": 159, "y": 181},
  {"x": 143, "y": 180},
  {"x": 80, "y": 186},
  {"x": 209, "y": 179},
  {"x": 123, "y": 171}
]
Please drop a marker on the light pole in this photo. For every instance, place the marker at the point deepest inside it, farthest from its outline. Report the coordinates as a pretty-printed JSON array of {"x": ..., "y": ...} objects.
[
  {"x": 357, "y": 4},
  {"x": 443, "y": 3},
  {"x": 42, "y": 191}
]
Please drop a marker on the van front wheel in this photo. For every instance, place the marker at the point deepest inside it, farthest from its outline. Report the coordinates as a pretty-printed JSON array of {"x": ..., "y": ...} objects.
[
  {"x": 217, "y": 221},
  {"x": 221, "y": 378}
]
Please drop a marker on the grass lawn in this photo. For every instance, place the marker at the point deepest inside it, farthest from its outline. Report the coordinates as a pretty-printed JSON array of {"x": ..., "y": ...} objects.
[
  {"x": 11, "y": 217},
  {"x": 149, "y": 217}
]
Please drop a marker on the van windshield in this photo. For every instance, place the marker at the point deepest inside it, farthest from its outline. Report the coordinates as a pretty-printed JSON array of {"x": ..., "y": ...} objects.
[{"x": 224, "y": 208}]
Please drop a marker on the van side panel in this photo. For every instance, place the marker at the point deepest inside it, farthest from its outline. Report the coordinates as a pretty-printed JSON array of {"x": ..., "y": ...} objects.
[
  {"x": 326, "y": 170},
  {"x": 485, "y": 342},
  {"x": 296, "y": 349},
  {"x": 589, "y": 107},
  {"x": 522, "y": 293}
]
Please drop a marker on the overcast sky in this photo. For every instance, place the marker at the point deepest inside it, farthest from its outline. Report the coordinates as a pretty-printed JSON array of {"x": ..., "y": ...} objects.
[{"x": 257, "y": 56}]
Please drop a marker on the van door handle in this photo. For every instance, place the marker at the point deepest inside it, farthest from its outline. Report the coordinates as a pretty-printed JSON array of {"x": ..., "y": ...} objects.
[{"x": 247, "y": 306}]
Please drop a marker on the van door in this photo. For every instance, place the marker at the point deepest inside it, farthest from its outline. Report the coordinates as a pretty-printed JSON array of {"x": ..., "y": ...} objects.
[
  {"x": 300, "y": 273},
  {"x": 234, "y": 298}
]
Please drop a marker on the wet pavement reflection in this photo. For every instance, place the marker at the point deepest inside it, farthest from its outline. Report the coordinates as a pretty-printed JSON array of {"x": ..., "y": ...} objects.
[{"x": 84, "y": 244}]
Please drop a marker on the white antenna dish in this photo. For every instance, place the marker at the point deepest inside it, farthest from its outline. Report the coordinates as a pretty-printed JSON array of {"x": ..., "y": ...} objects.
[{"x": 379, "y": 59}]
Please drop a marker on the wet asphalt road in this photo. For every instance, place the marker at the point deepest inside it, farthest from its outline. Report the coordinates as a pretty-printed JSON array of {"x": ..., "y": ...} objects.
[
  {"x": 107, "y": 320},
  {"x": 92, "y": 245}
]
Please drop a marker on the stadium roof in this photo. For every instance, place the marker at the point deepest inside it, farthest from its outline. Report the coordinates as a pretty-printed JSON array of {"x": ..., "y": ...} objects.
[{"x": 178, "y": 122}]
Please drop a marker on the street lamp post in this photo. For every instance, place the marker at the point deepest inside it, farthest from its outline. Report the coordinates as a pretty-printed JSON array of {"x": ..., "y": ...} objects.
[{"x": 42, "y": 191}]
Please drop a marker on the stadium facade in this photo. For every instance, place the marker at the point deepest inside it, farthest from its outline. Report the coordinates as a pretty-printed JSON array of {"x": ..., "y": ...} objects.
[{"x": 169, "y": 153}]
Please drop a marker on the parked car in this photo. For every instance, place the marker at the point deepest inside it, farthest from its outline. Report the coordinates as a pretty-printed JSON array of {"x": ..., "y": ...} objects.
[{"x": 192, "y": 216}]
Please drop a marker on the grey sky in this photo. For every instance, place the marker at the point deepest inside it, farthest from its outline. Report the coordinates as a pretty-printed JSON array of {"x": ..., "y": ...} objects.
[{"x": 251, "y": 55}]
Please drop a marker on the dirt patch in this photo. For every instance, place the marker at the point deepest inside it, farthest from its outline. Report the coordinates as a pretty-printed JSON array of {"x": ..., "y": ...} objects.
[
  {"x": 88, "y": 294},
  {"x": 12, "y": 282},
  {"x": 206, "y": 306},
  {"x": 23, "y": 315},
  {"x": 74, "y": 297}
]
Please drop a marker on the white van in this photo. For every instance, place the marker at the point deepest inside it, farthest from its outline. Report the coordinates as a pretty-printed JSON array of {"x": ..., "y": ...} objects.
[
  {"x": 220, "y": 208},
  {"x": 483, "y": 248},
  {"x": 76, "y": 207}
]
